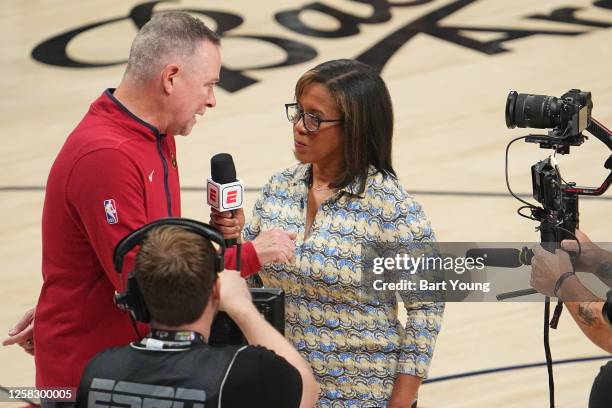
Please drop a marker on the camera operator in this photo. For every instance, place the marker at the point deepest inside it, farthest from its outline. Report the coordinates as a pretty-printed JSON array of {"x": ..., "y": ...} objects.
[
  {"x": 553, "y": 275},
  {"x": 174, "y": 271}
]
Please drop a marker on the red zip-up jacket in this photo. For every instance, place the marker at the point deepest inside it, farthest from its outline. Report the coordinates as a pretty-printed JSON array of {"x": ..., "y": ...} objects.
[{"x": 114, "y": 174}]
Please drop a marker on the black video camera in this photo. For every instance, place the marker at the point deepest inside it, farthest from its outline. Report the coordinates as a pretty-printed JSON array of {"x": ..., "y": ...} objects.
[
  {"x": 270, "y": 302},
  {"x": 567, "y": 116}
]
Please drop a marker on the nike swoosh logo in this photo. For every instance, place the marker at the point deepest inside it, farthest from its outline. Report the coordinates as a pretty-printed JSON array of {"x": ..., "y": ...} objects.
[{"x": 151, "y": 176}]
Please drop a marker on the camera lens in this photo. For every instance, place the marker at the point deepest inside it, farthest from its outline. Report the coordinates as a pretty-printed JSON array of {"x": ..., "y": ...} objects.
[
  {"x": 533, "y": 111},
  {"x": 510, "y": 104}
]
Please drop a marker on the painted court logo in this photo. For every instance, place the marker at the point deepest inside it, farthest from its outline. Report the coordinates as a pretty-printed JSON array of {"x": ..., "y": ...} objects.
[
  {"x": 111, "y": 211},
  {"x": 299, "y": 48}
]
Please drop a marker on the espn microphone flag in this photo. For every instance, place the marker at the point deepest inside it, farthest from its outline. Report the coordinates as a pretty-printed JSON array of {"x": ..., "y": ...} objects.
[
  {"x": 223, "y": 190},
  {"x": 224, "y": 197}
]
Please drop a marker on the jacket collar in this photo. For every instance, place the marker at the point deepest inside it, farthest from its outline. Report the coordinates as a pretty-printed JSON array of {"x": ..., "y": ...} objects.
[{"x": 110, "y": 106}]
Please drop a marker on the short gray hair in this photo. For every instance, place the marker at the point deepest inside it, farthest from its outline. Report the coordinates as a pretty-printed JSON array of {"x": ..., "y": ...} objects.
[{"x": 167, "y": 34}]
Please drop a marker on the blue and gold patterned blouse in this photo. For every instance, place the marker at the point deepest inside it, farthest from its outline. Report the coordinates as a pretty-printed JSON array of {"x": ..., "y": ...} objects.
[{"x": 353, "y": 341}]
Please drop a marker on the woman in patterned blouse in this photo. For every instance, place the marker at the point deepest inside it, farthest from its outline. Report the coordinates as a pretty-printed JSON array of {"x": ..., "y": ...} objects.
[{"x": 341, "y": 197}]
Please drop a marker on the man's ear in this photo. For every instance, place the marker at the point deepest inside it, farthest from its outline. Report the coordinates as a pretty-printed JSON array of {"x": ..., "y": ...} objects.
[
  {"x": 216, "y": 290},
  {"x": 169, "y": 76}
]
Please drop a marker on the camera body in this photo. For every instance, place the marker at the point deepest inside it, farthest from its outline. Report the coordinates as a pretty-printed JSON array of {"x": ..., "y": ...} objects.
[{"x": 568, "y": 115}]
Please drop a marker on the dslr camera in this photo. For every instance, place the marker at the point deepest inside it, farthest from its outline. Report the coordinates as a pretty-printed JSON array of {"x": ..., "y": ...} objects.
[{"x": 566, "y": 116}]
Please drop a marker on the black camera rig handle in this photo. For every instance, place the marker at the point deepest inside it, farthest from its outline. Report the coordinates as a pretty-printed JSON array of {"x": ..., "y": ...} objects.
[{"x": 602, "y": 133}]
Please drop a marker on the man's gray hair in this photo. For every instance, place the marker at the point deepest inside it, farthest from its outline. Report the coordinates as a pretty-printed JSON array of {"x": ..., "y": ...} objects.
[{"x": 167, "y": 35}]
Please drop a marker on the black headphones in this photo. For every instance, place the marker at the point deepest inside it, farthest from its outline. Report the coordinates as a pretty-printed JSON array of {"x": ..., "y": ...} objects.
[{"x": 131, "y": 300}]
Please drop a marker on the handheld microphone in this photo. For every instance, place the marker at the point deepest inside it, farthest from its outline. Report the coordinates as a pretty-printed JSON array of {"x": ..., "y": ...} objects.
[
  {"x": 502, "y": 257},
  {"x": 224, "y": 191}
]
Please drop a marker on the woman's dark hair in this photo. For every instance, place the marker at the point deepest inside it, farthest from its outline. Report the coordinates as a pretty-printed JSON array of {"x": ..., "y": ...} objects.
[{"x": 362, "y": 97}]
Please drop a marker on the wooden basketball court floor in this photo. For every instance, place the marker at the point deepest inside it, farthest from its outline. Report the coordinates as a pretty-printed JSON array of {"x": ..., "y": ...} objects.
[{"x": 448, "y": 82}]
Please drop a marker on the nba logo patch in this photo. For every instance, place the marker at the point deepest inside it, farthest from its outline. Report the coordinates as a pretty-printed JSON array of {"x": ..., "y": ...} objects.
[{"x": 111, "y": 211}]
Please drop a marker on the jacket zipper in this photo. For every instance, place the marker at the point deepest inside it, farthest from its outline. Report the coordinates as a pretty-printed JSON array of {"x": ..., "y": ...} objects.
[{"x": 165, "y": 165}]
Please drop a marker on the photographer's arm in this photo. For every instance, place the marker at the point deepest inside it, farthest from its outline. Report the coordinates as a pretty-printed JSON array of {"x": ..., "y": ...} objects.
[
  {"x": 586, "y": 309},
  {"x": 587, "y": 313},
  {"x": 592, "y": 257},
  {"x": 236, "y": 302}
]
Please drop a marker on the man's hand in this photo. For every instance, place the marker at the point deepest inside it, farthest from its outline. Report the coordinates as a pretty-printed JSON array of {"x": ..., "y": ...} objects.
[
  {"x": 23, "y": 333},
  {"x": 591, "y": 255},
  {"x": 546, "y": 268},
  {"x": 223, "y": 221},
  {"x": 234, "y": 294},
  {"x": 275, "y": 246}
]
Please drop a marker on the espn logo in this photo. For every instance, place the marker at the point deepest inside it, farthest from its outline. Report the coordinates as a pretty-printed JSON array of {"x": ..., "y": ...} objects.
[
  {"x": 231, "y": 197},
  {"x": 212, "y": 195},
  {"x": 224, "y": 197},
  {"x": 109, "y": 393}
]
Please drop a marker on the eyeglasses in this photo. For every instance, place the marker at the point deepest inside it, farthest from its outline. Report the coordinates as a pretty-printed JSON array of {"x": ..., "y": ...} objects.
[{"x": 311, "y": 122}]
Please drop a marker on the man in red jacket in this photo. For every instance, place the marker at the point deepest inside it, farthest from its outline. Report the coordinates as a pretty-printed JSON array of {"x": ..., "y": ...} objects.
[{"x": 116, "y": 172}]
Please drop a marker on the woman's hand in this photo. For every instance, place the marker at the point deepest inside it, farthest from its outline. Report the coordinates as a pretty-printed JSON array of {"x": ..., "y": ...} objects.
[{"x": 229, "y": 224}]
